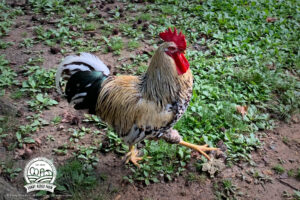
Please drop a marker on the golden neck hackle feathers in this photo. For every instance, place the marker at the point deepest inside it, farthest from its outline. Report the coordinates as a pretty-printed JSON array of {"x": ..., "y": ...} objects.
[{"x": 161, "y": 83}]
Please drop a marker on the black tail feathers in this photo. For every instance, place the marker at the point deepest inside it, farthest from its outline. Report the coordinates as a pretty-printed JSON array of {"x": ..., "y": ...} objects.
[
  {"x": 84, "y": 75},
  {"x": 83, "y": 88}
]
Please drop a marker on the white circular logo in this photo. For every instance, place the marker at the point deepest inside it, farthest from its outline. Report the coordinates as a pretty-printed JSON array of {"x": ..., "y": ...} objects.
[{"x": 40, "y": 174}]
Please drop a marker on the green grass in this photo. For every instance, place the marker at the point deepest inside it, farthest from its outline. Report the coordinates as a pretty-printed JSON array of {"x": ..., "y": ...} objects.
[
  {"x": 7, "y": 15},
  {"x": 8, "y": 170},
  {"x": 298, "y": 173},
  {"x": 72, "y": 179},
  {"x": 226, "y": 190},
  {"x": 7, "y": 75},
  {"x": 236, "y": 55},
  {"x": 245, "y": 61},
  {"x": 114, "y": 44},
  {"x": 279, "y": 169},
  {"x": 133, "y": 44}
]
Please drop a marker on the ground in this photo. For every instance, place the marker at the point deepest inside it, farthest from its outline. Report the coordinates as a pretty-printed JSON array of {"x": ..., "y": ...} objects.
[{"x": 245, "y": 101}]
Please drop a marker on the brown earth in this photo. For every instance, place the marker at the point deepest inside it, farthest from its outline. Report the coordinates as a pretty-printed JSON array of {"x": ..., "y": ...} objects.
[
  {"x": 254, "y": 180},
  {"x": 265, "y": 186}
]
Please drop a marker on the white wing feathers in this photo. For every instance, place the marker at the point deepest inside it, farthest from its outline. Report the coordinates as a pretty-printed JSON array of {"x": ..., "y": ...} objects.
[{"x": 73, "y": 64}]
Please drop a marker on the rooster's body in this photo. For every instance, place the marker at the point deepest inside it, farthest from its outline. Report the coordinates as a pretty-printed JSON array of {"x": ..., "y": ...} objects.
[{"x": 137, "y": 107}]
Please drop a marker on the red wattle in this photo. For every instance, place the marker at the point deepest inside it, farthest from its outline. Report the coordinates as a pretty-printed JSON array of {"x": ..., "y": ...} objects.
[{"x": 182, "y": 64}]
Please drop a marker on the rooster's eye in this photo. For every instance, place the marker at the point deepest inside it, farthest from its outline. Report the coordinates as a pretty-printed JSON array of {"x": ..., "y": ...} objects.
[{"x": 171, "y": 48}]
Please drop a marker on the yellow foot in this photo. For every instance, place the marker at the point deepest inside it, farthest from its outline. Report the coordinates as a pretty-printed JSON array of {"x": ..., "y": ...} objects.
[
  {"x": 201, "y": 149},
  {"x": 132, "y": 156}
]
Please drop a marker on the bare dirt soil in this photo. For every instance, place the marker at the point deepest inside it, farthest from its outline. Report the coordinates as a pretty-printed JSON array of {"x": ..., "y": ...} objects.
[{"x": 255, "y": 180}]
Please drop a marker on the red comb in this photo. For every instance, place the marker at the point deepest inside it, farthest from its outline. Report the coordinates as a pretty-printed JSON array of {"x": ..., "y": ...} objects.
[{"x": 169, "y": 36}]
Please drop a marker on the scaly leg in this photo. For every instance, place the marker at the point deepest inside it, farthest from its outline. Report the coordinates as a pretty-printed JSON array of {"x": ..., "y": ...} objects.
[
  {"x": 201, "y": 149},
  {"x": 172, "y": 136},
  {"x": 132, "y": 156}
]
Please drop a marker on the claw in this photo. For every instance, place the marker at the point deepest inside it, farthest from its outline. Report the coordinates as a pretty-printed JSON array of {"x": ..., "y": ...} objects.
[
  {"x": 200, "y": 148},
  {"x": 132, "y": 156}
]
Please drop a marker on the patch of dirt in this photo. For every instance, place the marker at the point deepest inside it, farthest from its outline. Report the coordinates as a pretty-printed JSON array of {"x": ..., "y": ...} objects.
[
  {"x": 256, "y": 181},
  {"x": 253, "y": 182}
]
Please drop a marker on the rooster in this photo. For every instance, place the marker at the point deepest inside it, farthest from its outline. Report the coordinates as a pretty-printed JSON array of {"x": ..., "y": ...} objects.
[{"x": 136, "y": 107}]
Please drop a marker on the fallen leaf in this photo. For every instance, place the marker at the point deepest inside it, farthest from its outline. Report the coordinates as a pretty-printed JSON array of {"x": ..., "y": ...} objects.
[
  {"x": 28, "y": 152},
  {"x": 67, "y": 117},
  {"x": 60, "y": 128},
  {"x": 271, "y": 66},
  {"x": 38, "y": 141},
  {"x": 118, "y": 197},
  {"x": 229, "y": 58},
  {"x": 195, "y": 154},
  {"x": 213, "y": 166},
  {"x": 268, "y": 172},
  {"x": 271, "y": 19},
  {"x": 242, "y": 110},
  {"x": 19, "y": 153}
]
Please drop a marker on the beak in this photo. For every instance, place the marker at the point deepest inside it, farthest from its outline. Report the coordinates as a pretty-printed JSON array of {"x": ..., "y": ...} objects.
[{"x": 183, "y": 52}]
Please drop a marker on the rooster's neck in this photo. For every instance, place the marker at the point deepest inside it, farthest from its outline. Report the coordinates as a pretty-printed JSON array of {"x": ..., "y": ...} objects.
[{"x": 161, "y": 83}]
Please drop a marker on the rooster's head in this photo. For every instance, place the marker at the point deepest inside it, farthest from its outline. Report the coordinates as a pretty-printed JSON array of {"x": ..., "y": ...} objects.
[{"x": 175, "y": 47}]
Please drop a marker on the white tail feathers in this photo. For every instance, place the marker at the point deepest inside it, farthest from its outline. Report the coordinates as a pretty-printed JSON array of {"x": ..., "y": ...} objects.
[{"x": 73, "y": 64}]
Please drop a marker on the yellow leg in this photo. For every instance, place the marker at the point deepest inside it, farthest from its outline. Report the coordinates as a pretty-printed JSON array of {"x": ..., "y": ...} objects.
[
  {"x": 200, "y": 149},
  {"x": 132, "y": 156}
]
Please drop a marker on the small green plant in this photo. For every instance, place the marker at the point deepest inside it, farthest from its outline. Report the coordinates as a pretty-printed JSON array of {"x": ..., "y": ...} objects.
[
  {"x": 53, "y": 36},
  {"x": 7, "y": 75},
  {"x": 133, "y": 45},
  {"x": 127, "y": 30},
  {"x": 142, "y": 69},
  {"x": 165, "y": 159},
  {"x": 113, "y": 143},
  {"x": 259, "y": 177},
  {"x": 226, "y": 190},
  {"x": 145, "y": 17},
  {"x": 8, "y": 170},
  {"x": 285, "y": 140},
  {"x": 2, "y": 134},
  {"x": 298, "y": 174},
  {"x": 8, "y": 124},
  {"x": 278, "y": 169},
  {"x": 61, "y": 150},
  {"x": 291, "y": 173},
  {"x": 27, "y": 42},
  {"x": 114, "y": 44},
  {"x": 89, "y": 26},
  {"x": 192, "y": 177},
  {"x": 23, "y": 134},
  {"x": 72, "y": 178},
  {"x": 41, "y": 102},
  {"x": 86, "y": 155},
  {"x": 294, "y": 196},
  {"x": 18, "y": 94},
  {"x": 50, "y": 138},
  {"x": 94, "y": 119},
  {"x": 78, "y": 134},
  {"x": 56, "y": 120},
  {"x": 39, "y": 80},
  {"x": 34, "y": 61},
  {"x": 4, "y": 45},
  {"x": 7, "y": 15}
]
